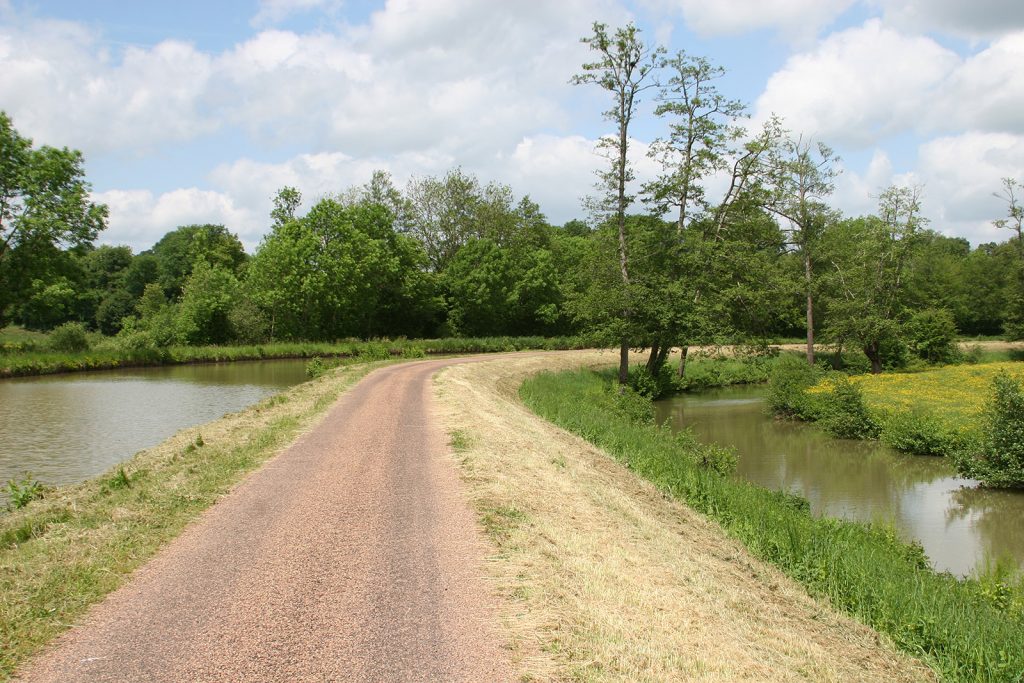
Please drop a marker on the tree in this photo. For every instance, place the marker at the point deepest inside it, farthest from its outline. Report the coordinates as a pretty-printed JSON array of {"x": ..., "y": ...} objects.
[
  {"x": 868, "y": 257},
  {"x": 1014, "y": 221},
  {"x": 704, "y": 140},
  {"x": 179, "y": 250},
  {"x": 802, "y": 177},
  {"x": 341, "y": 271},
  {"x": 624, "y": 68},
  {"x": 44, "y": 202},
  {"x": 442, "y": 214}
]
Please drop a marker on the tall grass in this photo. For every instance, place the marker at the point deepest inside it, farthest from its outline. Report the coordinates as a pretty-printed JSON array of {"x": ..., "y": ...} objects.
[
  {"x": 31, "y": 358},
  {"x": 967, "y": 630}
]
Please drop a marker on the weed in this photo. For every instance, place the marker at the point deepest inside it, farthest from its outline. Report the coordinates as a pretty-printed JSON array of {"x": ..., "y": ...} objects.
[
  {"x": 460, "y": 440},
  {"x": 21, "y": 493}
]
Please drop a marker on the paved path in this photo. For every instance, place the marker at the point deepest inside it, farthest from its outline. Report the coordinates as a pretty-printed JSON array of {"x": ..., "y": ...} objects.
[{"x": 349, "y": 557}]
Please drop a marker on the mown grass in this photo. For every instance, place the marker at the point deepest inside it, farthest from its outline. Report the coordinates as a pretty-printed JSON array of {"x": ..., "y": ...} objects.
[
  {"x": 32, "y": 357},
  {"x": 968, "y": 630},
  {"x": 67, "y": 550}
]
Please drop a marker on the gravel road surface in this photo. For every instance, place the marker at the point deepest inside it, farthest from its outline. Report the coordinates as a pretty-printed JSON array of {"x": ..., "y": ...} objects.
[{"x": 351, "y": 556}]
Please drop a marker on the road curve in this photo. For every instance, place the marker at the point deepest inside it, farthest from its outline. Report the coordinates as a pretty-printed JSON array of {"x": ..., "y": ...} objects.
[{"x": 351, "y": 556}]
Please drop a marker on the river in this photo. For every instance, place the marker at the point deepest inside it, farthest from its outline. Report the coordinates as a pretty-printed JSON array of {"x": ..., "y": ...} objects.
[
  {"x": 67, "y": 428},
  {"x": 963, "y": 528}
]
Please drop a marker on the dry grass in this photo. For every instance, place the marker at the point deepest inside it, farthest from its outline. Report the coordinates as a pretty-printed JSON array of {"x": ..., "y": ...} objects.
[{"x": 607, "y": 580}]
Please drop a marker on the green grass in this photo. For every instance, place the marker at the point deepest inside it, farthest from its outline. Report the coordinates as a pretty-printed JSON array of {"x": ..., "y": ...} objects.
[
  {"x": 68, "y": 549},
  {"x": 30, "y": 357},
  {"x": 968, "y": 630}
]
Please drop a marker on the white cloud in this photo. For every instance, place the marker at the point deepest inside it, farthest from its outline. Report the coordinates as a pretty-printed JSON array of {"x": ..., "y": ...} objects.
[
  {"x": 971, "y": 18},
  {"x": 961, "y": 173},
  {"x": 858, "y": 85},
  {"x": 985, "y": 92},
  {"x": 58, "y": 82},
  {"x": 139, "y": 218},
  {"x": 435, "y": 76},
  {"x": 796, "y": 19}
]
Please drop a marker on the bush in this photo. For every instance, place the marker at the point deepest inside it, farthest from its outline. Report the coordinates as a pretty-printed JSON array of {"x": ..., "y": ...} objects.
[
  {"x": 998, "y": 457},
  {"x": 652, "y": 386},
  {"x": 931, "y": 336},
  {"x": 315, "y": 367},
  {"x": 787, "y": 387},
  {"x": 920, "y": 433},
  {"x": 843, "y": 413},
  {"x": 70, "y": 338},
  {"x": 632, "y": 405}
]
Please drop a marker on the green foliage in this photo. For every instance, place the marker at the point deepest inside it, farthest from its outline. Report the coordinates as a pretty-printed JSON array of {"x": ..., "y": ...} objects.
[
  {"x": 998, "y": 458},
  {"x": 843, "y": 414},
  {"x": 315, "y": 367},
  {"x": 787, "y": 387},
  {"x": 631, "y": 404},
  {"x": 920, "y": 433},
  {"x": 44, "y": 204},
  {"x": 932, "y": 336},
  {"x": 21, "y": 493},
  {"x": 69, "y": 337},
  {"x": 961, "y": 627}
]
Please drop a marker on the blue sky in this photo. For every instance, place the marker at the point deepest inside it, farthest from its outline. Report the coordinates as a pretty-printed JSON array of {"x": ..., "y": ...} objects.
[{"x": 198, "y": 111}]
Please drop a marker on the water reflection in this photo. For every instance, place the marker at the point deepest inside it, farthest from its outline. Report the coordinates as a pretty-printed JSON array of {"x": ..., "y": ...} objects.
[
  {"x": 960, "y": 526},
  {"x": 67, "y": 428}
]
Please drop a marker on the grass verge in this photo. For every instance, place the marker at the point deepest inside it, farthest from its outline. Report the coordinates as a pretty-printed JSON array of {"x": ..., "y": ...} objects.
[
  {"x": 967, "y": 630},
  {"x": 606, "y": 578},
  {"x": 67, "y": 550},
  {"x": 25, "y": 358}
]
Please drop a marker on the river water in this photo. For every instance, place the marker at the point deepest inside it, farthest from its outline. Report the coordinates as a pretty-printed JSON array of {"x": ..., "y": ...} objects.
[
  {"x": 67, "y": 428},
  {"x": 962, "y": 527}
]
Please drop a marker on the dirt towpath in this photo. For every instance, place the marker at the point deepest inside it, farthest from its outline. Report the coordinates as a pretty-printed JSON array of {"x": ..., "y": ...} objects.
[{"x": 349, "y": 557}]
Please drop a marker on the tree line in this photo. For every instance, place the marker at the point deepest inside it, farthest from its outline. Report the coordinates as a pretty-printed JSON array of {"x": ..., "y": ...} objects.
[{"x": 734, "y": 241}]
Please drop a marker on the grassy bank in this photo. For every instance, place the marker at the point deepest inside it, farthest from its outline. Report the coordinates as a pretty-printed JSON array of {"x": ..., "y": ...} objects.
[
  {"x": 967, "y": 630},
  {"x": 30, "y": 356},
  {"x": 67, "y": 550}
]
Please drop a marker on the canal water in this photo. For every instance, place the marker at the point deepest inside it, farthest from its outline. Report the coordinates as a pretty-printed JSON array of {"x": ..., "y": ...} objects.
[
  {"x": 66, "y": 428},
  {"x": 963, "y": 528}
]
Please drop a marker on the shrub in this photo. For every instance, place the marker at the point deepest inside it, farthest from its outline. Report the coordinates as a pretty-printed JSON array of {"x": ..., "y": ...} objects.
[
  {"x": 371, "y": 351},
  {"x": 787, "y": 387},
  {"x": 920, "y": 433},
  {"x": 315, "y": 367},
  {"x": 633, "y": 405},
  {"x": 998, "y": 457},
  {"x": 931, "y": 335},
  {"x": 70, "y": 338},
  {"x": 652, "y": 386},
  {"x": 844, "y": 414}
]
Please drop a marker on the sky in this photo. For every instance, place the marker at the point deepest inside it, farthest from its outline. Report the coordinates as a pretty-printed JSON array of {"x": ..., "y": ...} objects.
[{"x": 198, "y": 112}]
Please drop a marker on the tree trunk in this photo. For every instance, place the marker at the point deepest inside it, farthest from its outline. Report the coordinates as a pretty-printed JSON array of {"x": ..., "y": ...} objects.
[
  {"x": 685, "y": 350},
  {"x": 623, "y": 365},
  {"x": 810, "y": 309},
  {"x": 873, "y": 352},
  {"x": 653, "y": 364}
]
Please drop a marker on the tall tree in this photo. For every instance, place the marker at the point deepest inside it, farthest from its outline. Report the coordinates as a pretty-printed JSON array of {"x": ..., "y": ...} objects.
[
  {"x": 1014, "y": 221},
  {"x": 44, "y": 205},
  {"x": 704, "y": 140},
  {"x": 869, "y": 258},
  {"x": 625, "y": 66},
  {"x": 803, "y": 176}
]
